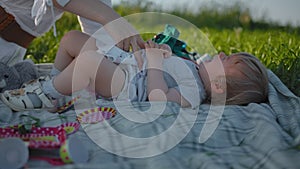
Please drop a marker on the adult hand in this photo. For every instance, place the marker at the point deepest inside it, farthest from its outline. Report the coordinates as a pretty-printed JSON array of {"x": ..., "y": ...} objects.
[{"x": 136, "y": 43}]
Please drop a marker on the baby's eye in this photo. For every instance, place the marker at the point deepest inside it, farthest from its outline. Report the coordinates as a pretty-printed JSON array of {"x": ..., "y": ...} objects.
[{"x": 237, "y": 62}]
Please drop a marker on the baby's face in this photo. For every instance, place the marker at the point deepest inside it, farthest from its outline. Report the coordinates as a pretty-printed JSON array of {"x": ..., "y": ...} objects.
[{"x": 211, "y": 69}]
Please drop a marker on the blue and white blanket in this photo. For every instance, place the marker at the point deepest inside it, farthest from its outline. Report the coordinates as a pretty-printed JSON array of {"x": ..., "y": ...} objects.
[{"x": 164, "y": 136}]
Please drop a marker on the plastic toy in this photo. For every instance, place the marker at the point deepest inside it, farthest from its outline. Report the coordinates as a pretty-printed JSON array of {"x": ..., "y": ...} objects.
[
  {"x": 170, "y": 36},
  {"x": 16, "y": 141}
]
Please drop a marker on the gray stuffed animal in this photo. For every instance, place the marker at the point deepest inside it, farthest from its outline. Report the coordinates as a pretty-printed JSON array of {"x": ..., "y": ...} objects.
[{"x": 12, "y": 77}]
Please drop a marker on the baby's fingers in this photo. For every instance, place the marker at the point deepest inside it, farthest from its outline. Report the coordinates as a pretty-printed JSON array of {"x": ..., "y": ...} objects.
[
  {"x": 167, "y": 51},
  {"x": 151, "y": 44}
]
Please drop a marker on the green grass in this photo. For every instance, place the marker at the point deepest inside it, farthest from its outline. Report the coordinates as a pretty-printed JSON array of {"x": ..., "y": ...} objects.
[
  {"x": 43, "y": 49},
  {"x": 278, "y": 49}
]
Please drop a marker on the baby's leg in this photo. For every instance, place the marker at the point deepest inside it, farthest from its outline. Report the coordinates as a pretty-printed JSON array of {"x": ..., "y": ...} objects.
[
  {"x": 70, "y": 47},
  {"x": 90, "y": 70}
]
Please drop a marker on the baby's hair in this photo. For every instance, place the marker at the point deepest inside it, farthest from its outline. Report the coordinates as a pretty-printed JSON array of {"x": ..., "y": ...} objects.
[{"x": 251, "y": 86}]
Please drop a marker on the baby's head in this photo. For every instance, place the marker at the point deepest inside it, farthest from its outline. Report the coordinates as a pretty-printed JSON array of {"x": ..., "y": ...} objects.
[{"x": 241, "y": 77}]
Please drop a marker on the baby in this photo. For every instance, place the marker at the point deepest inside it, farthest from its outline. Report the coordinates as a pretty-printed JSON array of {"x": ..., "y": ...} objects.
[{"x": 240, "y": 77}]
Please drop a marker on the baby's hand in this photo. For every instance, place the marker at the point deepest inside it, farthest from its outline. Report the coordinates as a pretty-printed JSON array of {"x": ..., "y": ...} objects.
[
  {"x": 167, "y": 51},
  {"x": 156, "y": 50}
]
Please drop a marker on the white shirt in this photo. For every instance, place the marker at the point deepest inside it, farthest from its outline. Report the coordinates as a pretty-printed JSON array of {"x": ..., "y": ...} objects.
[{"x": 21, "y": 10}]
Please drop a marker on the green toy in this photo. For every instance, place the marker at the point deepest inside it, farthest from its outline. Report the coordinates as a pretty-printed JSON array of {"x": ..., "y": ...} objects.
[{"x": 170, "y": 37}]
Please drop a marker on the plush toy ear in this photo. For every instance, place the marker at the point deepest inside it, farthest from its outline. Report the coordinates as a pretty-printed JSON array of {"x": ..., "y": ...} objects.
[
  {"x": 3, "y": 75},
  {"x": 9, "y": 78},
  {"x": 26, "y": 70}
]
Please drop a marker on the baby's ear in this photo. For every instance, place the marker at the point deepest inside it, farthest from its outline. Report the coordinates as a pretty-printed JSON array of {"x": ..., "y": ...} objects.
[{"x": 218, "y": 85}]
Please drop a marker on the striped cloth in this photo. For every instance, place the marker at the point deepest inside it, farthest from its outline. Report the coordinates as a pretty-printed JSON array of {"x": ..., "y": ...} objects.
[{"x": 253, "y": 136}]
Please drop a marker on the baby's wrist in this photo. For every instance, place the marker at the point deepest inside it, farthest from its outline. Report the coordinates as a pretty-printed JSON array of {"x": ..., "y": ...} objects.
[{"x": 155, "y": 63}]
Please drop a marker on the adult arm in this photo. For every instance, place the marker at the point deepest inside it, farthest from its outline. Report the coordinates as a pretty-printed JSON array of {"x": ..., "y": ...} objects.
[
  {"x": 91, "y": 9},
  {"x": 121, "y": 31}
]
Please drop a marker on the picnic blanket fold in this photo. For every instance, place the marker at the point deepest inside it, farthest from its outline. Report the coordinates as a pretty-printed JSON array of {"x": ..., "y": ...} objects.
[{"x": 285, "y": 105}]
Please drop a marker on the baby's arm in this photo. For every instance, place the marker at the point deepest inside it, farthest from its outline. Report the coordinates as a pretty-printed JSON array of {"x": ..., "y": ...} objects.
[{"x": 157, "y": 87}]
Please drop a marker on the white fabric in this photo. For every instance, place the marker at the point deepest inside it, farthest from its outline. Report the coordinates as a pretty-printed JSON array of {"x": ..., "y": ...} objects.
[
  {"x": 186, "y": 76},
  {"x": 129, "y": 66},
  {"x": 22, "y": 9},
  {"x": 11, "y": 53},
  {"x": 39, "y": 9},
  {"x": 89, "y": 26},
  {"x": 41, "y": 23},
  {"x": 105, "y": 42},
  {"x": 43, "y": 17}
]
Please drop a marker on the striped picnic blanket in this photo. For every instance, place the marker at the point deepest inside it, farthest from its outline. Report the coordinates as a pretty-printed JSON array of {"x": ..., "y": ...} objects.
[{"x": 165, "y": 136}]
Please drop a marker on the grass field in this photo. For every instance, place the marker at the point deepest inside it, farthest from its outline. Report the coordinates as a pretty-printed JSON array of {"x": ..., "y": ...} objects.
[{"x": 278, "y": 49}]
